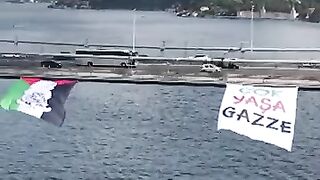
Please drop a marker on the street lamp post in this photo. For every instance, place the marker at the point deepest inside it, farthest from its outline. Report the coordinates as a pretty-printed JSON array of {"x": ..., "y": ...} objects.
[
  {"x": 251, "y": 24},
  {"x": 134, "y": 31},
  {"x": 16, "y": 40}
]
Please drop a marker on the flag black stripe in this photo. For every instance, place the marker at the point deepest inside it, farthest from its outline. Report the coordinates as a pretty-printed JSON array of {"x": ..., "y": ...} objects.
[{"x": 59, "y": 96}]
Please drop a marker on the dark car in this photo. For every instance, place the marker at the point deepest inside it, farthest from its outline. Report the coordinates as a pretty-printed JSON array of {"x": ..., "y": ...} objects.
[
  {"x": 227, "y": 65},
  {"x": 232, "y": 66},
  {"x": 51, "y": 64}
]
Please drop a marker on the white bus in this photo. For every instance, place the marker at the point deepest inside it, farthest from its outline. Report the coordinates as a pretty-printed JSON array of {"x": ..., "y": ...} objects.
[{"x": 105, "y": 57}]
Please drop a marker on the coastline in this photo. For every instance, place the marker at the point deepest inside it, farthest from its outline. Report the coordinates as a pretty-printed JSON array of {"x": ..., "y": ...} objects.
[{"x": 304, "y": 79}]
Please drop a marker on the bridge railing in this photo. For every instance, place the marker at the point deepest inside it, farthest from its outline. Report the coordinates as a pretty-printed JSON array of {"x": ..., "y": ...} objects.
[{"x": 163, "y": 48}]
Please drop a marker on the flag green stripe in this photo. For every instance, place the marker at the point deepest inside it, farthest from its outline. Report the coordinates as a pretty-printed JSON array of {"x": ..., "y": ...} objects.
[{"x": 9, "y": 101}]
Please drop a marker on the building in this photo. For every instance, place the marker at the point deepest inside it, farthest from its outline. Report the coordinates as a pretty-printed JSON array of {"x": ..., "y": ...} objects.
[{"x": 263, "y": 14}]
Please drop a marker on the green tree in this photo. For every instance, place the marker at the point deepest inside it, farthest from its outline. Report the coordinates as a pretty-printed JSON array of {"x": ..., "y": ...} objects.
[{"x": 228, "y": 5}]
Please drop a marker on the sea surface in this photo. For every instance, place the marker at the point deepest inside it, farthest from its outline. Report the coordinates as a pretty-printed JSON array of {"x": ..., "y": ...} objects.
[
  {"x": 121, "y": 131},
  {"x": 37, "y": 23}
]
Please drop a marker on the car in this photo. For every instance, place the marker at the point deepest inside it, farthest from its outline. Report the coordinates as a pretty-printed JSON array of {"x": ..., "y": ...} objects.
[
  {"x": 51, "y": 64},
  {"x": 309, "y": 65},
  {"x": 201, "y": 57},
  {"x": 227, "y": 63},
  {"x": 232, "y": 66},
  {"x": 130, "y": 64},
  {"x": 210, "y": 68},
  {"x": 143, "y": 55},
  {"x": 231, "y": 59}
]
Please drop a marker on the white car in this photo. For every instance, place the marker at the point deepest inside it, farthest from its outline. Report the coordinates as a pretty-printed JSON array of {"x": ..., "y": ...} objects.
[
  {"x": 210, "y": 68},
  {"x": 231, "y": 59},
  {"x": 201, "y": 57}
]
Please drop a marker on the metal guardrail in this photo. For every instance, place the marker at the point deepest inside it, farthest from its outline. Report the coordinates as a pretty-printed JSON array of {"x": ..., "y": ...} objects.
[
  {"x": 181, "y": 59},
  {"x": 281, "y": 50},
  {"x": 174, "y": 59},
  {"x": 162, "y": 48}
]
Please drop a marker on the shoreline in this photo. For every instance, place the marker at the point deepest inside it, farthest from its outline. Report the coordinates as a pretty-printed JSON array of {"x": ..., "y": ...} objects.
[{"x": 136, "y": 76}]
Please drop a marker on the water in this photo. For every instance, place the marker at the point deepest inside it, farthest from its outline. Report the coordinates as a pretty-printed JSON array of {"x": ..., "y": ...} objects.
[
  {"x": 38, "y": 23},
  {"x": 119, "y": 131}
]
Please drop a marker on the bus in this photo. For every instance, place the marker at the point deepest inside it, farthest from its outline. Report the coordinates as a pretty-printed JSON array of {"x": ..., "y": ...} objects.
[{"x": 105, "y": 57}]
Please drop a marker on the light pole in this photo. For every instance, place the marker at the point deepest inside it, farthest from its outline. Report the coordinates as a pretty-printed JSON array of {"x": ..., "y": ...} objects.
[
  {"x": 251, "y": 28},
  {"x": 134, "y": 31},
  {"x": 16, "y": 40},
  {"x": 86, "y": 43}
]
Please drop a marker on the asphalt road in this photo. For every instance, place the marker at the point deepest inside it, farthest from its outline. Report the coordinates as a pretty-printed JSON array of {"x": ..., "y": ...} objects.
[{"x": 164, "y": 72}]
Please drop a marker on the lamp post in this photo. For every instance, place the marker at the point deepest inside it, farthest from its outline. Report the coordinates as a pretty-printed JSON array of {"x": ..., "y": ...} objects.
[
  {"x": 251, "y": 26},
  {"x": 134, "y": 31},
  {"x": 86, "y": 43},
  {"x": 16, "y": 40}
]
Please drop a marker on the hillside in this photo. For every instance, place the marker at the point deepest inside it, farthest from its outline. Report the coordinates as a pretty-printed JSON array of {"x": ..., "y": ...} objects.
[{"x": 229, "y": 5}]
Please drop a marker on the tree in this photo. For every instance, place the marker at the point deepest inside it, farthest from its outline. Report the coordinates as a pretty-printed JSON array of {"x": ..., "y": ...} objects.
[{"x": 226, "y": 5}]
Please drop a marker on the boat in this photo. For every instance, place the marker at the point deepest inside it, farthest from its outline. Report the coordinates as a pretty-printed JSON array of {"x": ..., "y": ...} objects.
[{"x": 183, "y": 13}]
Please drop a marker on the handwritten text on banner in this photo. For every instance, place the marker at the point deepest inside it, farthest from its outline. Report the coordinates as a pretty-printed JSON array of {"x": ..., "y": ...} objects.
[{"x": 262, "y": 113}]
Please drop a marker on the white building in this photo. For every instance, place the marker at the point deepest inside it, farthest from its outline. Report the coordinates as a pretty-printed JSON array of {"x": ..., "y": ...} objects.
[{"x": 263, "y": 14}]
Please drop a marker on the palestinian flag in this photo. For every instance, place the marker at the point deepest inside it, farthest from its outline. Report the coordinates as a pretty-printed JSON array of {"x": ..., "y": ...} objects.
[{"x": 40, "y": 98}]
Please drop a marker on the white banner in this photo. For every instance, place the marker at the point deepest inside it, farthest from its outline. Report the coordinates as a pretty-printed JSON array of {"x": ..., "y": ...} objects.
[{"x": 262, "y": 113}]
